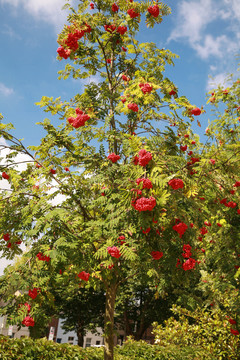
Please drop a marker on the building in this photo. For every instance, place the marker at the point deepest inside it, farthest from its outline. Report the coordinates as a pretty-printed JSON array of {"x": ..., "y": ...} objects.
[
  {"x": 70, "y": 337},
  {"x": 12, "y": 330}
]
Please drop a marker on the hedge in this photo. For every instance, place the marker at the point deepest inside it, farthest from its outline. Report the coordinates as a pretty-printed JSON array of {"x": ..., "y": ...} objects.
[{"x": 42, "y": 349}]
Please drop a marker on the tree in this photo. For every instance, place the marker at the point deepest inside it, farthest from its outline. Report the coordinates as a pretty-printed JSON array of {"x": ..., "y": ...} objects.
[
  {"x": 81, "y": 309},
  {"x": 138, "y": 307},
  {"x": 81, "y": 312},
  {"x": 142, "y": 207}
]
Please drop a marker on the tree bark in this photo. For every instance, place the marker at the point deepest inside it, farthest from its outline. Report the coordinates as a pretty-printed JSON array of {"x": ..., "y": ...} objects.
[
  {"x": 80, "y": 335},
  {"x": 109, "y": 322}
]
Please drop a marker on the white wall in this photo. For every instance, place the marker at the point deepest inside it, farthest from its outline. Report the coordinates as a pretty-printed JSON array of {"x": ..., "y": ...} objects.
[{"x": 95, "y": 339}]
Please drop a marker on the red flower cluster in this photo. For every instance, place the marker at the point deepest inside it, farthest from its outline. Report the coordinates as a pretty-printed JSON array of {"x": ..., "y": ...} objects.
[
  {"x": 194, "y": 160},
  {"x": 139, "y": 192},
  {"x": 143, "y": 158},
  {"x": 124, "y": 49},
  {"x": 64, "y": 53},
  {"x": 176, "y": 184},
  {"x": 42, "y": 257},
  {"x": 189, "y": 264},
  {"x": 232, "y": 321},
  {"x": 133, "y": 13},
  {"x": 122, "y": 29},
  {"x": 146, "y": 183},
  {"x": 33, "y": 293},
  {"x": 146, "y": 88},
  {"x": 172, "y": 92},
  {"x": 230, "y": 204},
  {"x": 203, "y": 231},
  {"x": 114, "y": 252},
  {"x": 156, "y": 255},
  {"x": 146, "y": 231},
  {"x": 113, "y": 157},
  {"x": 28, "y": 321},
  {"x": 135, "y": 160},
  {"x": 187, "y": 251},
  {"x": 6, "y": 237},
  {"x": 115, "y": 8},
  {"x": 133, "y": 107},
  {"x": 234, "y": 332},
  {"x": 92, "y": 6},
  {"x": 79, "y": 120},
  {"x": 53, "y": 171},
  {"x": 122, "y": 238},
  {"x": 110, "y": 28},
  {"x": 183, "y": 148},
  {"x": 5, "y": 175},
  {"x": 144, "y": 204},
  {"x": 153, "y": 10},
  {"x": 125, "y": 78},
  {"x": 83, "y": 275},
  {"x": 196, "y": 111},
  {"x": 72, "y": 41},
  {"x": 180, "y": 228},
  {"x": 28, "y": 306}
]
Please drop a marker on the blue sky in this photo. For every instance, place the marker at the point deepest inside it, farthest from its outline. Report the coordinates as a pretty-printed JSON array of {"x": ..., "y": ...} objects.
[{"x": 204, "y": 33}]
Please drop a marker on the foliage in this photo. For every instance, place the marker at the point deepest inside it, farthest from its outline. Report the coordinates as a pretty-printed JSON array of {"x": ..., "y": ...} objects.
[
  {"x": 71, "y": 203},
  {"x": 138, "y": 306},
  {"x": 27, "y": 349},
  {"x": 204, "y": 328}
]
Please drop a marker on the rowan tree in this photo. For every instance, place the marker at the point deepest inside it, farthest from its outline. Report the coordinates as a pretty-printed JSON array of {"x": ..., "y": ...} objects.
[{"x": 122, "y": 184}]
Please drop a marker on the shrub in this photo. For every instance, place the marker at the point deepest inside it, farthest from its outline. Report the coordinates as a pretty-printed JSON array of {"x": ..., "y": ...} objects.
[
  {"x": 209, "y": 330},
  {"x": 42, "y": 349},
  {"x": 140, "y": 350}
]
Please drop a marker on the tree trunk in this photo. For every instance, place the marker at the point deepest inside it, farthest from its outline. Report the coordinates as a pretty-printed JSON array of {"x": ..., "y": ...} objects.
[
  {"x": 128, "y": 328},
  {"x": 80, "y": 335},
  {"x": 109, "y": 322}
]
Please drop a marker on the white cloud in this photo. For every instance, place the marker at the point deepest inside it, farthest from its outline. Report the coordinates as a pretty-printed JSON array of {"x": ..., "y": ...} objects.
[
  {"x": 192, "y": 21},
  {"x": 5, "y": 91},
  {"x": 21, "y": 160},
  {"x": 219, "y": 79},
  {"x": 49, "y": 11},
  {"x": 235, "y": 7},
  {"x": 3, "y": 141},
  {"x": 215, "y": 46}
]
